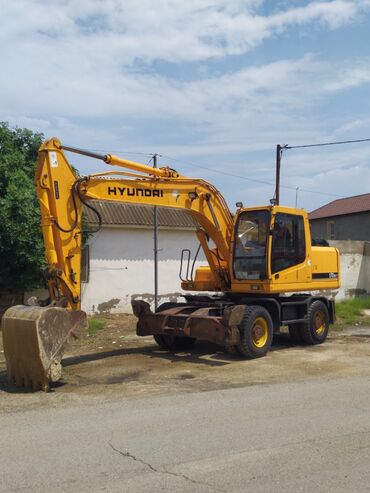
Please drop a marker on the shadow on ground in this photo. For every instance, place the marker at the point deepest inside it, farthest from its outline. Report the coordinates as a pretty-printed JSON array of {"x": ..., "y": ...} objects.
[
  {"x": 203, "y": 353},
  {"x": 217, "y": 354}
]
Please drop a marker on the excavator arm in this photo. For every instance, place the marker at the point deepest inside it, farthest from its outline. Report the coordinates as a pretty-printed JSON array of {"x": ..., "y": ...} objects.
[{"x": 62, "y": 194}]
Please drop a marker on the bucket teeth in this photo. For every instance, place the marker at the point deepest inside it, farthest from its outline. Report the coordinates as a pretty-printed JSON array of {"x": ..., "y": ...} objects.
[
  {"x": 29, "y": 383},
  {"x": 34, "y": 342}
]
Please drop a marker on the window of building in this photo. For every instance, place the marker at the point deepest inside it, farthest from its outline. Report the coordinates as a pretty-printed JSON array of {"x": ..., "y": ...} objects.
[
  {"x": 330, "y": 230},
  {"x": 288, "y": 243}
]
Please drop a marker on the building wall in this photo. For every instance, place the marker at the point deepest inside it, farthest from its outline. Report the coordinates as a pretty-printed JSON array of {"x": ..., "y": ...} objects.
[
  {"x": 354, "y": 268},
  {"x": 349, "y": 227},
  {"x": 122, "y": 267}
]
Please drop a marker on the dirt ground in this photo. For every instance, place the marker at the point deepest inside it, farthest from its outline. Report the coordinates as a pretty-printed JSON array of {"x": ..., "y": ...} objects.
[{"x": 115, "y": 362}]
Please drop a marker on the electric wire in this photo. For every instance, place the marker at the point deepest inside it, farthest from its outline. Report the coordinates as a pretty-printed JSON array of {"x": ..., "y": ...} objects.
[
  {"x": 136, "y": 153},
  {"x": 255, "y": 180},
  {"x": 338, "y": 142},
  {"x": 233, "y": 175}
]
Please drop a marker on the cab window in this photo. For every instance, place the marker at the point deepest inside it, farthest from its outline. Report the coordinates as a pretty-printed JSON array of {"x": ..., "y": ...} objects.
[
  {"x": 250, "y": 245},
  {"x": 288, "y": 242}
]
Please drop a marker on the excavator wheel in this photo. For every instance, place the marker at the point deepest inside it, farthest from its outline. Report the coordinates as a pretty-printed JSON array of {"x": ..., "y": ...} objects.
[
  {"x": 256, "y": 331},
  {"x": 315, "y": 329},
  {"x": 34, "y": 341},
  {"x": 173, "y": 343}
]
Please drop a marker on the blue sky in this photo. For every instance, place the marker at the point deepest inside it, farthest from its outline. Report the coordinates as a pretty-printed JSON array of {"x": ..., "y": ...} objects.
[{"x": 211, "y": 85}]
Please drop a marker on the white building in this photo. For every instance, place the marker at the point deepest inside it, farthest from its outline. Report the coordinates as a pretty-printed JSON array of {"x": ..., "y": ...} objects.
[{"x": 119, "y": 259}]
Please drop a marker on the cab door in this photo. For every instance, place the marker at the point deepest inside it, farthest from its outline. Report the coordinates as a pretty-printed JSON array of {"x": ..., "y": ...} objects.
[
  {"x": 250, "y": 245},
  {"x": 288, "y": 249}
]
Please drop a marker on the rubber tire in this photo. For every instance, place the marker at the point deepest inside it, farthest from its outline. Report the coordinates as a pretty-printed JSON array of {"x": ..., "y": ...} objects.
[
  {"x": 167, "y": 341},
  {"x": 246, "y": 347},
  {"x": 307, "y": 330},
  {"x": 295, "y": 333}
]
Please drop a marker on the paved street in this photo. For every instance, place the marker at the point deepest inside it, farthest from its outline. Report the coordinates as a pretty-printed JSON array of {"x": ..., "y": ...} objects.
[{"x": 290, "y": 437}]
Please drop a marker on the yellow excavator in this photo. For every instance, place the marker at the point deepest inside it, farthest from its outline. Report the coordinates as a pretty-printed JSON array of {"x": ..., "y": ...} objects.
[{"x": 261, "y": 275}]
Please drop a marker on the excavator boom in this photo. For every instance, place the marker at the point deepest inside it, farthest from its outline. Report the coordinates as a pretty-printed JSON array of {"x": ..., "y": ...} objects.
[{"x": 61, "y": 194}]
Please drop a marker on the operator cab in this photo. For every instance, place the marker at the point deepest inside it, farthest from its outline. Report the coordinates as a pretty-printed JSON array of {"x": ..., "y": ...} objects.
[{"x": 267, "y": 241}]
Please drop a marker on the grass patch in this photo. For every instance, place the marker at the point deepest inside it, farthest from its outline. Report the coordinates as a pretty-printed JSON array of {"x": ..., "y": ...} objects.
[
  {"x": 96, "y": 324},
  {"x": 350, "y": 310}
]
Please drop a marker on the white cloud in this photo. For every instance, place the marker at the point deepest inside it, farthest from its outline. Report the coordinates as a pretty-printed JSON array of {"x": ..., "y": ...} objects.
[
  {"x": 334, "y": 13},
  {"x": 351, "y": 125},
  {"x": 171, "y": 30},
  {"x": 272, "y": 89},
  {"x": 77, "y": 58},
  {"x": 351, "y": 76},
  {"x": 90, "y": 71}
]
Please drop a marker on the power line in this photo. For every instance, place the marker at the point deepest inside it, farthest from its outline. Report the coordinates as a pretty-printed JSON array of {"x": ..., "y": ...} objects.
[
  {"x": 327, "y": 144},
  {"x": 251, "y": 179},
  {"x": 216, "y": 170},
  {"x": 233, "y": 175},
  {"x": 280, "y": 150},
  {"x": 146, "y": 154}
]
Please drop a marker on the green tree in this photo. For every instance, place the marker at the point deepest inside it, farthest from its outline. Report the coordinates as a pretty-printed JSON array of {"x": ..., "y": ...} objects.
[{"x": 21, "y": 245}]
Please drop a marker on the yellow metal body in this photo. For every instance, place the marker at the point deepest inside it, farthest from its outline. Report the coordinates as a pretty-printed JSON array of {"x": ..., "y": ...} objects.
[
  {"x": 60, "y": 193},
  {"x": 54, "y": 181},
  {"x": 300, "y": 277}
]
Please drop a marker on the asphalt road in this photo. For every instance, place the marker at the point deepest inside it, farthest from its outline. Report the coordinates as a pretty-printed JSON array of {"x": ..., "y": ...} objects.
[{"x": 289, "y": 437}]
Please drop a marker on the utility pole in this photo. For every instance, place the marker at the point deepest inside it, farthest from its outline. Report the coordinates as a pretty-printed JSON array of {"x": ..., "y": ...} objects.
[
  {"x": 278, "y": 161},
  {"x": 155, "y": 224},
  {"x": 279, "y": 153}
]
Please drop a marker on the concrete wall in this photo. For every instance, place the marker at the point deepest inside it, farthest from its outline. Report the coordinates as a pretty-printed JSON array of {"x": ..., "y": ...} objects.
[
  {"x": 355, "y": 268},
  {"x": 122, "y": 267},
  {"x": 354, "y": 227}
]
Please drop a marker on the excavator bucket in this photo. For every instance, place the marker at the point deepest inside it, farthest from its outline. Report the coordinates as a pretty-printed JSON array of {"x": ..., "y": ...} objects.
[{"x": 34, "y": 341}]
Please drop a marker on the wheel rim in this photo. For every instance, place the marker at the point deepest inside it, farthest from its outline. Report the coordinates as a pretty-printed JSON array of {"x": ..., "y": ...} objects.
[
  {"x": 319, "y": 322},
  {"x": 260, "y": 332}
]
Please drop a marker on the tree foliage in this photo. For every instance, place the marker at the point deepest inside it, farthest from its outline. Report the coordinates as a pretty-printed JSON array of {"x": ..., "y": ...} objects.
[{"x": 21, "y": 245}]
